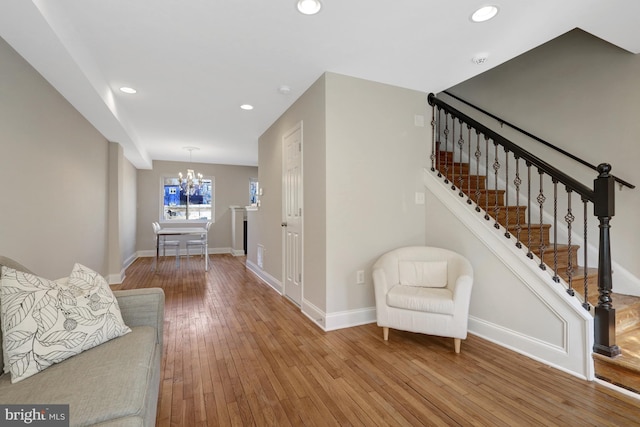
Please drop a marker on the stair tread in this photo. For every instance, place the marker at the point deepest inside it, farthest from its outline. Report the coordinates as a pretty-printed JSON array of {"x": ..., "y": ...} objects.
[
  {"x": 629, "y": 343},
  {"x": 624, "y": 301}
]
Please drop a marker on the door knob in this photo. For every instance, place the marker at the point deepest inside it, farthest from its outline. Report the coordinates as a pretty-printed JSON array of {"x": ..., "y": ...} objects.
[{"x": 284, "y": 224}]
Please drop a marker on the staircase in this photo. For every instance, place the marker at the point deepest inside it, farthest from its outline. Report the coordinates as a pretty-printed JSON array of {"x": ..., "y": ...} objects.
[{"x": 623, "y": 370}]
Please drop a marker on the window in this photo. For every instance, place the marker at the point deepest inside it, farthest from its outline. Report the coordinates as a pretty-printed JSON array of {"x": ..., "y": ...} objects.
[{"x": 179, "y": 202}]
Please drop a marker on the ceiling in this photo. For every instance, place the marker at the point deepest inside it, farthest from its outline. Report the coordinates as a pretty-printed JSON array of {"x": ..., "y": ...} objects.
[{"x": 194, "y": 62}]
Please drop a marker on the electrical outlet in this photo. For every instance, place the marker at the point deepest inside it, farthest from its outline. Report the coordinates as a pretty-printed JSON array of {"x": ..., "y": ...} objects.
[{"x": 360, "y": 277}]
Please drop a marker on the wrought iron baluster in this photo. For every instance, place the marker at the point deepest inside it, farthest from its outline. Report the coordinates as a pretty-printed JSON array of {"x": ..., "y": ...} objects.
[
  {"x": 506, "y": 193},
  {"x": 478, "y": 154},
  {"x": 496, "y": 168},
  {"x": 460, "y": 177},
  {"x": 433, "y": 138},
  {"x": 469, "y": 171},
  {"x": 541, "y": 199},
  {"x": 452, "y": 160},
  {"x": 486, "y": 174},
  {"x": 517, "y": 182},
  {"x": 585, "y": 304},
  {"x": 446, "y": 147},
  {"x": 555, "y": 231},
  {"x": 569, "y": 218},
  {"x": 529, "y": 253},
  {"x": 439, "y": 144}
]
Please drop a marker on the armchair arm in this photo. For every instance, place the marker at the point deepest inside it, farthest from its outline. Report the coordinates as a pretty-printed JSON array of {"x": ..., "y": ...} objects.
[
  {"x": 381, "y": 287},
  {"x": 143, "y": 307},
  {"x": 462, "y": 294}
]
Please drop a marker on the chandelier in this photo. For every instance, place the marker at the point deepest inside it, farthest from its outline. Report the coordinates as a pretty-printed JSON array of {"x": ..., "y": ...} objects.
[{"x": 191, "y": 183}]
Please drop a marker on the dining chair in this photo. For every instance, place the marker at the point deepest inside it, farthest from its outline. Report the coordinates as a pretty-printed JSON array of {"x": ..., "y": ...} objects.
[
  {"x": 164, "y": 243},
  {"x": 201, "y": 242}
]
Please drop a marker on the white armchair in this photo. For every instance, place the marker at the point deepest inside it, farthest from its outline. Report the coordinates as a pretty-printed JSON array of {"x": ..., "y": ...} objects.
[{"x": 425, "y": 290}]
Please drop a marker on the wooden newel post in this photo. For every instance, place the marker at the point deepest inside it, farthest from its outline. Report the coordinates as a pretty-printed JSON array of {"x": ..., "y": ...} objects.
[{"x": 605, "y": 314}]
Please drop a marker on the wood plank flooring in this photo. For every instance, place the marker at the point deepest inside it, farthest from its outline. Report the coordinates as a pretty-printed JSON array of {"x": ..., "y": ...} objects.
[{"x": 238, "y": 354}]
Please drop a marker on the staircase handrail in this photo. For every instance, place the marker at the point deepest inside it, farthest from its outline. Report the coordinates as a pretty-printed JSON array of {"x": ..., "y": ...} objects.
[
  {"x": 555, "y": 173},
  {"x": 536, "y": 138}
]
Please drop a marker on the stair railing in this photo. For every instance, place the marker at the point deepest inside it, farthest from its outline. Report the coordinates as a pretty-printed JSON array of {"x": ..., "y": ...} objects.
[{"x": 463, "y": 147}]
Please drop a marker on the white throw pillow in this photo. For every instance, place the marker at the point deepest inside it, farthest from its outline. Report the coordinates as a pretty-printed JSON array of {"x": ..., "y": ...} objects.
[
  {"x": 45, "y": 322},
  {"x": 5, "y": 356},
  {"x": 429, "y": 274}
]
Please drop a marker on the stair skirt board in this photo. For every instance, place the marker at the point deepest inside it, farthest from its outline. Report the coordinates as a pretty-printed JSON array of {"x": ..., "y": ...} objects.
[{"x": 565, "y": 345}]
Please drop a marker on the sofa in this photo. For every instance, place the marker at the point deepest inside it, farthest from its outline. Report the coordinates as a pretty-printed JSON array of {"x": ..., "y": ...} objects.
[{"x": 113, "y": 384}]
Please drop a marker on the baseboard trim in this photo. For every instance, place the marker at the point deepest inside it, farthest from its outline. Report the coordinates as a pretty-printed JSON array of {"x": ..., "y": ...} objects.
[
  {"x": 116, "y": 279},
  {"x": 350, "y": 318},
  {"x": 264, "y": 276}
]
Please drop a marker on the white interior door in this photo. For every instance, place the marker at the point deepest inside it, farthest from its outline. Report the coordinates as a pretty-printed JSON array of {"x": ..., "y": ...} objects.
[{"x": 292, "y": 213}]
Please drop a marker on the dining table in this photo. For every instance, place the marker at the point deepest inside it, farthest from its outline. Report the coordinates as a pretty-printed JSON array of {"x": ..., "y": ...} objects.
[{"x": 183, "y": 231}]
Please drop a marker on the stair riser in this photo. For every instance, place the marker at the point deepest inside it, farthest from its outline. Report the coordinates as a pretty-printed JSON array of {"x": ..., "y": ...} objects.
[
  {"x": 616, "y": 374},
  {"x": 514, "y": 215},
  {"x": 577, "y": 282},
  {"x": 468, "y": 181},
  {"x": 535, "y": 234},
  {"x": 453, "y": 168},
  {"x": 563, "y": 257},
  {"x": 491, "y": 196}
]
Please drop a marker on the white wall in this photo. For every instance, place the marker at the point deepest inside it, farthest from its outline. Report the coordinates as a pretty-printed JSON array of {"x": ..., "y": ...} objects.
[
  {"x": 583, "y": 95},
  {"x": 53, "y": 170}
]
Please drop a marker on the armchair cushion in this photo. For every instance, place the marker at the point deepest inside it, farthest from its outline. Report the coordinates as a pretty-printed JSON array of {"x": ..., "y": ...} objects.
[
  {"x": 430, "y": 300},
  {"x": 430, "y": 274}
]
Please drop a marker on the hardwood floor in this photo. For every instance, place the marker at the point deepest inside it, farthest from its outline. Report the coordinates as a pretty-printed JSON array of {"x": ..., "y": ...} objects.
[{"x": 237, "y": 353}]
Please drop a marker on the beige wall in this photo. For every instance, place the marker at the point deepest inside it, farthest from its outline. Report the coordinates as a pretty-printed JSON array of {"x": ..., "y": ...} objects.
[
  {"x": 583, "y": 95},
  {"x": 53, "y": 170},
  {"x": 363, "y": 157},
  {"x": 231, "y": 188},
  {"x": 266, "y": 231},
  {"x": 122, "y": 213},
  {"x": 375, "y": 156}
]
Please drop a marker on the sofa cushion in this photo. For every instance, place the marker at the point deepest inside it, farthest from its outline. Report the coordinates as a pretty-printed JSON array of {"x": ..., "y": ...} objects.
[
  {"x": 430, "y": 274},
  {"x": 110, "y": 382},
  {"x": 45, "y": 322},
  {"x": 431, "y": 300}
]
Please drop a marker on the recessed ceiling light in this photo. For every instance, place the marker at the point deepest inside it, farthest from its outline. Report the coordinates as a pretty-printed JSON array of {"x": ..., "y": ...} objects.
[
  {"x": 126, "y": 89},
  {"x": 484, "y": 13},
  {"x": 284, "y": 90},
  {"x": 309, "y": 7},
  {"x": 480, "y": 58},
  {"x": 246, "y": 107}
]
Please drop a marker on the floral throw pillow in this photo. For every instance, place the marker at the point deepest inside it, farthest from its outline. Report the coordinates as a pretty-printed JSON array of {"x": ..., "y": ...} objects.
[{"x": 45, "y": 322}]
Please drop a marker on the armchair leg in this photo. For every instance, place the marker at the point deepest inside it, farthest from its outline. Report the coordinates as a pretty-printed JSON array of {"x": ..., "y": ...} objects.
[
  {"x": 385, "y": 333},
  {"x": 456, "y": 344}
]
